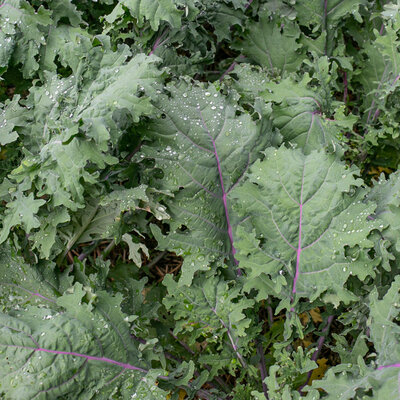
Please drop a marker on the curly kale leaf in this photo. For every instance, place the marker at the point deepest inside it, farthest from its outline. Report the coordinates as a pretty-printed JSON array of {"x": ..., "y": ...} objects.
[
  {"x": 305, "y": 213},
  {"x": 204, "y": 149}
]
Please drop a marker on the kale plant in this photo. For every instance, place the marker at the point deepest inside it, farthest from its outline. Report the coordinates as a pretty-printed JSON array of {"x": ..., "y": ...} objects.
[{"x": 199, "y": 199}]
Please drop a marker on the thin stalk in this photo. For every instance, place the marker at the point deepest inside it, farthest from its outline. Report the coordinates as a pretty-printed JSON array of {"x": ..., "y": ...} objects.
[
  {"x": 231, "y": 67},
  {"x": 345, "y": 83},
  {"x": 324, "y": 24},
  {"x": 320, "y": 343},
  {"x": 155, "y": 260},
  {"x": 183, "y": 344},
  {"x": 389, "y": 366},
  {"x": 158, "y": 43},
  {"x": 262, "y": 368},
  {"x": 91, "y": 247},
  {"x": 170, "y": 356},
  {"x": 134, "y": 151},
  {"x": 108, "y": 249},
  {"x": 233, "y": 344},
  {"x": 203, "y": 394},
  {"x": 217, "y": 379},
  {"x": 270, "y": 313},
  {"x": 79, "y": 233},
  {"x": 241, "y": 57}
]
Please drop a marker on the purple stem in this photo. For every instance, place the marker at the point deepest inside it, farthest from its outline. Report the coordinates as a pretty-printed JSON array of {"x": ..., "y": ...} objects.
[
  {"x": 325, "y": 23},
  {"x": 84, "y": 254},
  {"x": 88, "y": 357},
  {"x": 8, "y": 4},
  {"x": 224, "y": 193},
  {"x": 203, "y": 394},
  {"x": 125, "y": 366},
  {"x": 389, "y": 366},
  {"x": 134, "y": 151},
  {"x": 377, "y": 112},
  {"x": 270, "y": 314},
  {"x": 231, "y": 67},
  {"x": 157, "y": 43},
  {"x": 299, "y": 249},
  {"x": 43, "y": 297},
  {"x": 235, "y": 348},
  {"x": 345, "y": 86},
  {"x": 138, "y": 339},
  {"x": 183, "y": 344},
  {"x": 320, "y": 343},
  {"x": 172, "y": 357},
  {"x": 37, "y": 294},
  {"x": 263, "y": 369}
]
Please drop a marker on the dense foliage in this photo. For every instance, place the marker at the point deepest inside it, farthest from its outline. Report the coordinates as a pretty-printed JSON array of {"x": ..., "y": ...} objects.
[{"x": 195, "y": 199}]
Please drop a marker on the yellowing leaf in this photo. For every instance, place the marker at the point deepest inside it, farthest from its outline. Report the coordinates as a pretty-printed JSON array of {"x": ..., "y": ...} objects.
[
  {"x": 304, "y": 318},
  {"x": 376, "y": 171},
  {"x": 319, "y": 372},
  {"x": 316, "y": 315},
  {"x": 182, "y": 395}
]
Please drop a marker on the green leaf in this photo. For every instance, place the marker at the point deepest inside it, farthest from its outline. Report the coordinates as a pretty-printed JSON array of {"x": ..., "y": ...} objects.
[
  {"x": 65, "y": 9},
  {"x": 12, "y": 115},
  {"x": 379, "y": 74},
  {"x": 340, "y": 386},
  {"x": 134, "y": 253},
  {"x": 297, "y": 109},
  {"x": 121, "y": 91},
  {"x": 59, "y": 170},
  {"x": 21, "y": 211},
  {"x": 273, "y": 44},
  {"x": 343, "y": 381},
  {"x": 84, "y": 351},
  {"x": 102, "y": 219},
  {"x": 45, "y": 237},
  {"x": 288, "y": 368},
  {"x": 211, "y": 311},
  {"x": 64, "y": 42},
  {"x": 326, "y": 16},
  {"x": 24, "y": 26},
  {"x": 198, "y": 143},
  {"x": 152, "y": 10},
  {"x": 140, "y": 197},
  {"x": 22, "y": 285},
  {"x": 304, "y": 211},
  {"x": 70, "y": 122},
  {"x": 223, "y": 17},
  {"x": 382, "y": 322},
  {"x": 386, "y": 194}
]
